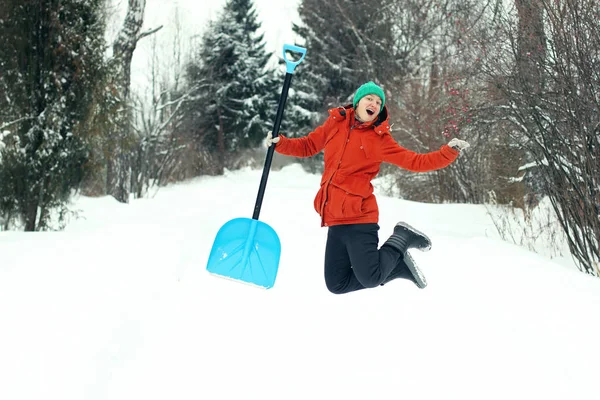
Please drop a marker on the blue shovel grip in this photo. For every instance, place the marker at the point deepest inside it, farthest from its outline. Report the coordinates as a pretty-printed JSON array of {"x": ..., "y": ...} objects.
[{"x": 291, "y": 65}]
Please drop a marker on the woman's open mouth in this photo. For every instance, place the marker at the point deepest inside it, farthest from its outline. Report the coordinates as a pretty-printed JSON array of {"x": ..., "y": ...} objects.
[{"x": 370, "y": 112}]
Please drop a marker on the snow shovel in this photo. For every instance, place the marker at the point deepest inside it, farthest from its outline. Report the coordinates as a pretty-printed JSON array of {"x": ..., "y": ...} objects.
[{"x": 246, "y": 249}]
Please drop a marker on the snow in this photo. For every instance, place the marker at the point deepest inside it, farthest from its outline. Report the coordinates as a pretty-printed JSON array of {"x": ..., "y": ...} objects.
[{"x": 120, "y": 306}]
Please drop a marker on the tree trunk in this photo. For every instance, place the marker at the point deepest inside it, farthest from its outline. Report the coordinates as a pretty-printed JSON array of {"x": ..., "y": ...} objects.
[
  {"x": 119, "y": 168},
  {"x": 221, "y": 144},
  {"x": 531, "y": 43},
  {"x": 31, "y": 216}
]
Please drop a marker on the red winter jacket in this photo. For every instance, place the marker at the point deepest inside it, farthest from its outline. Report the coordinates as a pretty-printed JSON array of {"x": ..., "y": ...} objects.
[{"x": 353, "y": 155}]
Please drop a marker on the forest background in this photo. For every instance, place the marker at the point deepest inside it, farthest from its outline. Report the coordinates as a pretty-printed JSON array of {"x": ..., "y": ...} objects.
[{"x": 82, "y": 113}]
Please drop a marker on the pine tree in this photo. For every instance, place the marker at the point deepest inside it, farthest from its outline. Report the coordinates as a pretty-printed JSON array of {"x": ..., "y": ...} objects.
[
  {"x": 304, "y": 108},
  {"x": 50, "y": 54},
  {"x": 234, "y": 105},
  {"x": 349, "y": 43}
]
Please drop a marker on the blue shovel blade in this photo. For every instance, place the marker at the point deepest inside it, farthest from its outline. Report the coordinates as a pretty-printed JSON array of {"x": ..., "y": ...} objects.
[{"x": 246, "y": 250}]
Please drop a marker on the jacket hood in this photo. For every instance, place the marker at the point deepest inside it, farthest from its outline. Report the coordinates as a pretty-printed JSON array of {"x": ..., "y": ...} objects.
[{"x": 381, "y": 125}]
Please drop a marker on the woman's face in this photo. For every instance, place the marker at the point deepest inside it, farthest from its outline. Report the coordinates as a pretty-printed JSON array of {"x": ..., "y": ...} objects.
[{"x": 368, "y": 108}]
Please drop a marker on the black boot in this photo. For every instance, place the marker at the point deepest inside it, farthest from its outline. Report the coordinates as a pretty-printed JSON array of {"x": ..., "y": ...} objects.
[
  {"x": 406, "y": 237},
  {"x": 407, "y": 268}
]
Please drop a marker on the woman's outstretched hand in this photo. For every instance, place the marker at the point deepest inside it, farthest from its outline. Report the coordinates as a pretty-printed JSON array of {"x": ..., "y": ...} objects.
[{"x": 458, "y": 144}]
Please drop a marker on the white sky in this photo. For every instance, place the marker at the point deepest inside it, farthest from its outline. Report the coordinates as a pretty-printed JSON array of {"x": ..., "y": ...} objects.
[{"x": 120, "y": 306}]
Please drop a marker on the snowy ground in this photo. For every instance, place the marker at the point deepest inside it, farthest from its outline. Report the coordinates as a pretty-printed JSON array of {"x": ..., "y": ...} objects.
[{"x": 120, "y": 306}]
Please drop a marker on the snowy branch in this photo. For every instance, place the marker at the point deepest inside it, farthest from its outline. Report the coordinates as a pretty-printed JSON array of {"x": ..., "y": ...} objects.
[
  {"x": 148, "y": 33},
  {"x": 6, "y": 125},
  {"x": 363, "y": 46}
]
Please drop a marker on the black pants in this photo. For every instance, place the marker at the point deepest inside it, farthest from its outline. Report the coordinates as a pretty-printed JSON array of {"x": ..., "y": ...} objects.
[{"x": 353, "y": 260}]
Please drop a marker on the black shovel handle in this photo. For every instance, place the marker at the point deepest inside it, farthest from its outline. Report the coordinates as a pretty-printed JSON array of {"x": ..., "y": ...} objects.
[{"x": 290, "y": 65}]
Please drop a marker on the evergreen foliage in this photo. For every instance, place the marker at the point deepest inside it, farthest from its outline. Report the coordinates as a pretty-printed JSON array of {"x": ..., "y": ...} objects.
[
  {"x": 50, "y": 55},
  {"x": 348, "y": 40},
  {"x": 234, "y": 105},
  {"x": 304, "y": 108}
]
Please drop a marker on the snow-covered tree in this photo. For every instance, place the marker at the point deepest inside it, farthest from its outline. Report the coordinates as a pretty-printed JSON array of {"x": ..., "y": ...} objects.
[
  {"x": 546, "y": 70},
  {"x": 234, "y": 106},
  {"x": 119, "y": 143},
  {"x": 50, "y": 55},
  {"x": 159, "y": 152},
  {"x": 349, "y": 42},
  {"x": 304, "y": 108}
]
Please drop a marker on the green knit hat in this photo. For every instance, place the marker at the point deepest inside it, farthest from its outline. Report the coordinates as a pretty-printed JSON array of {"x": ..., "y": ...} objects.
[{"x": 366, "y": 89}]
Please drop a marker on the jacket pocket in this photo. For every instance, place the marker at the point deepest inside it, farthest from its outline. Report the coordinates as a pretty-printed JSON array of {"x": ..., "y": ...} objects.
[
  {"x": 346, "y": 196},
  {"x": 330, "y": 135},
  {"x": 371, "y": 147},
  {"x": 318, "y": 202},
  {"x": 341, "y": 204},
  {"x": 352, "y": 206}
]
